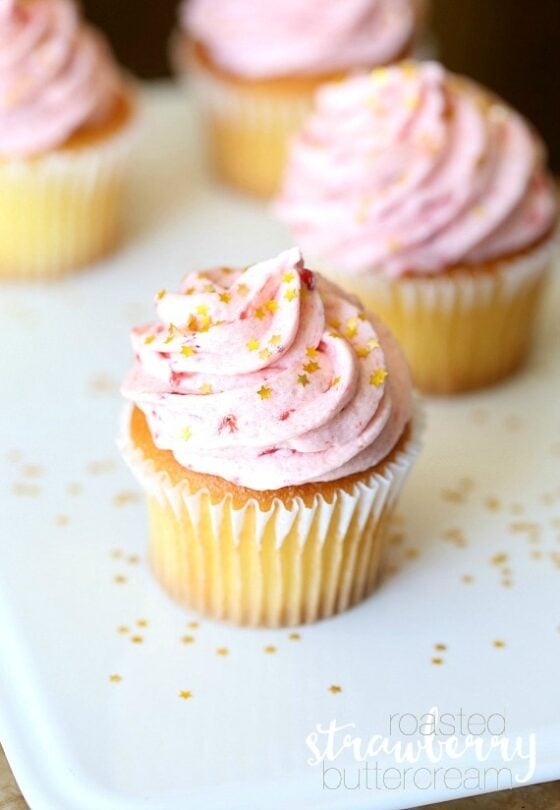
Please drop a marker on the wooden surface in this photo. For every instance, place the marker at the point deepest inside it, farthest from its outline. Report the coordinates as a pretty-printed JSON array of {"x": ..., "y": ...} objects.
[{"x": 538, "y": 797}]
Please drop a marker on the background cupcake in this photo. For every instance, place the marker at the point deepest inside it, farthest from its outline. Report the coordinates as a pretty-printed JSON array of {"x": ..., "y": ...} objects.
[
  {"x": 257, "y": 63},
  {"x": 65, "y": 114},
  {"x": 430, "y": 198},
  {"x": 272, "y": 430}
]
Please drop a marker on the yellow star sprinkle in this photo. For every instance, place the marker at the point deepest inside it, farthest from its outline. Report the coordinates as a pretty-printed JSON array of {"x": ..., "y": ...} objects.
[
  {"x": 149, "y": 339},
  {"x": 184, "y": 694},
  {"x": 288, "y": 277},
  {"x": 335, "y": 689},
  {"x": 202, "y": 309},
  {"x": 303, "y": 379},
  {"x": 265, "y": 354},
  {"x": 362, "y": 351},
  {"x": 208, "y": 288},
  {"x": 272, "y": 305},
  {"x": 289, "y": 295},
  {"x": 275, "y": 340},
  {"x": 335, "y": 324},
  {"x": 253, "y": 344},
  {"x": 351, "y": 328},
  {"x": 225, "y": 297},
  {"x": 142, "y": 623},
  {"x": 242, "y": 289},
  {"x": 205, "y": 389},
  {"x": 362, "y": 315},
  {"x": 115, "y": 678},
  {"x": 187, "y": 639},
  {"x": 187, "y": 351},
  {"x": 311, "y": 367},
  {"x": 270, "y": 649},
  {"x": 222, "y": 651},
  {"x": 264, "y": 392},
  {"x": 259, "y": 313},
  {"x": 373, "y": 343},
  {"x": 186, "y": 434},
  {"x": 378, "y": 377},
  {"x": 311, "y": 351},
  {"x": 137, "y": 639},
  {"x": 161, "y": 294},
  {"x": 335, "y": 381}
]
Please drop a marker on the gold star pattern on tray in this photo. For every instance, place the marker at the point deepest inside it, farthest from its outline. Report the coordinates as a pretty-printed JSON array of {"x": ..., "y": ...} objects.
[
  {"x": 185, "y": 694},
  {"x": 335, "y": 689}
]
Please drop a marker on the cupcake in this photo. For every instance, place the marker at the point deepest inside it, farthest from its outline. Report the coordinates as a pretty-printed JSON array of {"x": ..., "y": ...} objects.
[
  {"x": 256, "y": 64},
  {"x": 65, "y": 116},
  {"x": 270, "y": 423},
  {"x": 429, "y": 198}
]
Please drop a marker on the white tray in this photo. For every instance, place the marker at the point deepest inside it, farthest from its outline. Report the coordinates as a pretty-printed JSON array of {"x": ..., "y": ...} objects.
[{"x": 475, "y": 558}]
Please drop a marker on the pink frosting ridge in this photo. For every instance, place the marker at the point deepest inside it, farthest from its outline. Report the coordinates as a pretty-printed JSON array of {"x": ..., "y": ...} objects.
[
  {"x": 56, "y": 75},
  {"x": 269, "y": 377},
  {"x": 412, "y": 170},
  {"x": 266, "y": 38}
]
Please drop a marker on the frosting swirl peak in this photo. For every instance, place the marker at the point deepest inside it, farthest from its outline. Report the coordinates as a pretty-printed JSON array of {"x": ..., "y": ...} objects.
[
  {"x": 413, "y": 170},
  {"x": 269, "y": 377}
]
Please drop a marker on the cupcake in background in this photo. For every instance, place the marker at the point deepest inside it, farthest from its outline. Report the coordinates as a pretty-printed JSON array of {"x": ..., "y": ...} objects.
[
  {"x": 65, "y": 123},
  {"x": 256, "y": 64},
  {"x": 429, "y": 198},
  {"x": 271, "y": 426}
]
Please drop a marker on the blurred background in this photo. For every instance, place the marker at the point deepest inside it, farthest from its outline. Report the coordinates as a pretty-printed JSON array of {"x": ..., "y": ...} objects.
[{"x": 513, "y": 46}]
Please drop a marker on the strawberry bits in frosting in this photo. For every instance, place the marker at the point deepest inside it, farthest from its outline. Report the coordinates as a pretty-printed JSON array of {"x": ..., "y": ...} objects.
[{"x": 269, "y": 377}]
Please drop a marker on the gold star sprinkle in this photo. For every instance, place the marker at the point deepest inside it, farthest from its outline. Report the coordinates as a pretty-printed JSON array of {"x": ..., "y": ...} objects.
[
  {"x": 161, "y": 294},
  {"x": 264, "y": 392},
  {"x": 351, "y": 328},
  {"x": 185, "y": 694},
  {"x": 303, "y": 380},
  {"x": 270, "y": 649},
  {"x": 265, "y": 354},
  {"x": 137, "y": 639},
  {"x": 363, "y": 351},
  {"x": 311, "y": 367},
  {"x": 222, "y": 651},
  {"x": 290, "y": 294},
  {"x": 335, "y": 382},
  {"x": 202, "y": 309},
  {"x": 205, "y": 389},
  {"x": 373, "y": 343},
  {"x": 187, "y": 351},
  {"x": 275, "y": 340},
  {"x": 149, "y": 339},
  {"x": 253, "y": 344},
  {"x": 294, "y": 637},
  {"x": 186, "y": 434},
  {"x": 288, "y": 277},
  {"x": 335, "y": 689},
  {"x": 311, "y": 352},
  {"x": 142, "y": 623},
  {"x": 225, "y": 297},
  {"x": 115, "y": 678},
  {"x": 272, "y": 305},
  {"x": 243, "y": 289},
  {"x": 259, "y": 313},
  {"x": 440, "y": 647},
  {"x": 378, "y": 377},
  {"x": 437, "y": 661},
  {"x": 187, "y": 639},
  {"x": 498, "y": 644}
]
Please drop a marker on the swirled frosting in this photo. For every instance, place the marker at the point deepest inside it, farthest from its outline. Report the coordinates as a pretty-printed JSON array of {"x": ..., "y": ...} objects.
[
  {"x": 269, "y": 377},
  {"x": 267, "y": 38},
  {"x": 56, "y": 75},
  {"x": 413, "y": 170}
]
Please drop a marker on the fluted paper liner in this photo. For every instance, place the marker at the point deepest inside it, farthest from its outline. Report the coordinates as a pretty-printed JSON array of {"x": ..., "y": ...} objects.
[
  {"x": 285, "y": 565},
  {"x": 465, "y": 329},
  {"x": 61, "y": 211}
]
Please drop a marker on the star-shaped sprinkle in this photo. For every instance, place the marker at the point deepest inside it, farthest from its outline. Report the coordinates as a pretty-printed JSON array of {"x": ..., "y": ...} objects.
[
  {"x": 265, "y": 354},
  {"x": 311, "y": 367},
  {"x": 311, "y": 351},
  {"x": 243, "y": 289},
  {"x": 225, "y": 297},
  {"x": 270, "y": 649},
  {"x": 149, "y": 339},
  {"x": 351, "y": 328},
  {"x": 275, "y": 340},
  {"x": 264, "y": 392},
  {"x": 253, "y": 344},
  {"x": 202, "y": 309},
  {"x": 208, "y": 288},
  {"x": 186, "y": 434},
  {"x": 185, "y": 694},
  {"x": 260, "y": 313},
  {"x": 222, "y": 651},
  {"x": 288, "y": 277},
  {"x": 378, "y": 377},
  {"x": 335, "y": 381},
  {"x": 187, "y": 639},
  {"x": 187, "y": 351},
  {"x": 303, "y": 380},
  {"x": 205, "y": 389},
  {"x": 142, "y": 623},
  {"x": 161, "y": 294},
  {"x": 363, "y": 351},
  {"x": 115, "y": 678},
  {"x": 290, "y": 294},
  {"x": 373, "y": 343},
  {"x": 294, "y": 637},
  {"x": 272, "y": 305},
  {"x": 137, "y": 639},
  {"x": 335, "y": 689}
]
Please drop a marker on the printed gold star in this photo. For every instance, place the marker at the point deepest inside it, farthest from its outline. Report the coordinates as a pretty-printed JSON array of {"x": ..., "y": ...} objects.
[
  {"x": 225, "y": 297},
  {"x": 205, "y": 389},
  {"x": 499, "y": 644},
  {"x": 378, "y": 377},
  {"x": 351, "y": 328},
  {"x": 222, "y": 651},
  {"x": 201, "y": 309},
  {"x": 334, "y": 324},
  {"x": 264, "y": 392},
  {"x": 119, "y": 579},
  {"x": 303, "y": 380},
  {"x": 294, "y": 637},
  {"x": 187, "y": 639},
  {"x": 335, "y": 381},
  {"x": 208, "y": 288},
  {"x": 362, "y": 315},
  {"x": 288, "y": 277},
  {"x": 243, "y": 290},
  {"x": 161, "y": 294},
  {"x": 170, "y": 333},
  {"x": 335, "y": 689},
  {"x": 137, "y": 639},
  {"x": 186, "y": 434},
  {"x": 363, "y": 351},
  {"x": 373, "y": 343},
  {"x": 311, "y": 351},
  {"x": 272, "y": 305},
  {"x": 123, "y": 629},
  {"x": 290, "y": 294},
  {"x": 142, "y": 623},
  {"x": 275, "y": 340},
  {"x": 115, "y": 678},
  {"x": 270, "y": 649},
  {"x": 259, "y": 313},
  {"x": 253, "y": 344},
  {"x": 149, "y": 339},
  {"x": 265, "y": 354},
  {"x": 189, "y": 291},
  {"x": 185, "y": 694},
  {"x": 311, "y": 367},
  {"x": 193, "y": 625},
  {"x": 187, "y": 351},
  {"x": 437, "y": 661}
]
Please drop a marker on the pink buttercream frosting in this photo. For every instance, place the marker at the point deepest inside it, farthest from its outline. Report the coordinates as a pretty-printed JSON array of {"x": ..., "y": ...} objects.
[
  {"x": 267, "y": 38},
  {"x": 412, "y": 170},
  {"x": 269, "y": 377},
  {"x": 56, "y": 75}
]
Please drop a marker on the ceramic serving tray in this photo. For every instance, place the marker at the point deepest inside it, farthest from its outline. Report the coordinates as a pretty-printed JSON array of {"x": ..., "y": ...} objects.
[{"x": 113, "y": 698}]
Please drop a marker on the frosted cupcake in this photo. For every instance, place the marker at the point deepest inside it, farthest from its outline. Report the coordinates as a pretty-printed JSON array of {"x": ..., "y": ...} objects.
[
  {"x": 65, "y": 115},
  {"x": 271, "y": 427},
  {"x": 257, "y": 63},
  {"x": 429, "y": 198}
]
